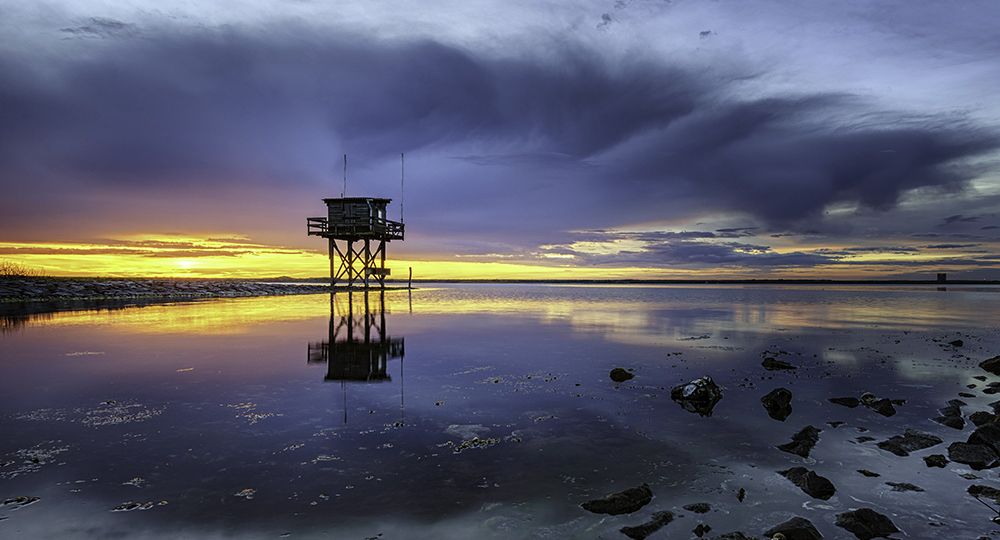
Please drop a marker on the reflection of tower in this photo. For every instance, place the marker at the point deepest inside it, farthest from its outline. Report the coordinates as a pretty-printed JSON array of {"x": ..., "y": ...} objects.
[{"x": 358, "y": 349}]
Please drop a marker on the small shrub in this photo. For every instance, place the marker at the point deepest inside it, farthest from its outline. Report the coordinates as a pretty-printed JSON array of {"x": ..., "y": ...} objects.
[{"x": 10, "y": 269}]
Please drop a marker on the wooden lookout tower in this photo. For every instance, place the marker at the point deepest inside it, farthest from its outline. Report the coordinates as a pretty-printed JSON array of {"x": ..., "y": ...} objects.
[{"x": 362, "y": 221}]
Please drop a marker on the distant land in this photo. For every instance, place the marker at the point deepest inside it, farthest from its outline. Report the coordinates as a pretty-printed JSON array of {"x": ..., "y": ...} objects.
[{"x": 746, "y": 281}]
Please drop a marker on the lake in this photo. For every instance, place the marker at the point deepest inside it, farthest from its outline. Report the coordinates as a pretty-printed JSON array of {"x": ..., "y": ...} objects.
[{"x": 486, "y": 411}]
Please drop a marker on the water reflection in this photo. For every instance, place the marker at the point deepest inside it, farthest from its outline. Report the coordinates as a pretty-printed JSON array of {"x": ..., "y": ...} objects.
[
  {"x": 511, "y": 420},
  {"x": 358, "y": 348}
]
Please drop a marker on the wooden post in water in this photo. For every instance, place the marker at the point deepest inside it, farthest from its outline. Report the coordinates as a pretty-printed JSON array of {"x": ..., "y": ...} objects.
[{"x": 409, "y": 281}]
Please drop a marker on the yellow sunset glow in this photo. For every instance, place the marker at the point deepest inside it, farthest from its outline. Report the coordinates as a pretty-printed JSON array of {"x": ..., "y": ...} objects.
[{"x": 227, "y": 255}]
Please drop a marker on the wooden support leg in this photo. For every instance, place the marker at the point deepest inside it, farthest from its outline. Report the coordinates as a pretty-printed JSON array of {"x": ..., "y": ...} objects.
[
  {"x": 333, "y": 275},
  {"x": 368, "y": 261},
  {"x": 381, "y": 274},
  {"x": 350, "y": 264}
]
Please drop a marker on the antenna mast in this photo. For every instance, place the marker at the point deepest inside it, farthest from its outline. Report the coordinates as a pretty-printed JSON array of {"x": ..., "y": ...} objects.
[
  {"x": 401, "y": 176},
  {"x": 344, "y": 194}
]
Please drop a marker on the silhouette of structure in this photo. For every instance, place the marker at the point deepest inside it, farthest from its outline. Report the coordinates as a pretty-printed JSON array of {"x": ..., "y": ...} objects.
[
  {"x": 362, "y": 221},
  {"x": 358, "y": 348}
]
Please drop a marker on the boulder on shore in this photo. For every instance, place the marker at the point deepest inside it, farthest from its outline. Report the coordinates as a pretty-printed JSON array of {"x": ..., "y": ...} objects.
[
  {"x": 655, "y": 523},
  {"x": 866, "y": 524},
  {"x": 936, "y": 460},
  {"x": 698, "y": 396},
  {"x": 802, "y": 442},
  {"x": 992, "y": 365},
  {"x": 851, "y": 402},
  {"x": 623, "y": 502},
  {"x": 979, "y": 418},
  {"x": 778, "y": 403},
  {"x": 987, "y": 434},
  {"x": 980, "y": 491},
  {"x": 773, "y": 364},
  {"x": 797, "y": 528},
  {"x": 910, "y": 441},
  {"x": 809, "y": 482},
  {"x": 620, "y": 375},
  {"x": 977, "y": 456},
  {"x": 882, "y": 406}
]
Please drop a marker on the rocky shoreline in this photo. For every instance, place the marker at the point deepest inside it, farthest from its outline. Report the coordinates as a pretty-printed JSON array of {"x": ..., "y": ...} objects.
[{"x": 43, "y": 289}]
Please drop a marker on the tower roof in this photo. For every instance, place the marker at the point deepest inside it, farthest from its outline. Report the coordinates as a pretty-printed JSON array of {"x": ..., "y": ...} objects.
[{"x": 357, "y": 199}]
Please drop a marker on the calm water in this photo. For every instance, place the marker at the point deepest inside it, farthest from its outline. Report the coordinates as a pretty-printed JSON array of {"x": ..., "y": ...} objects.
[{"x": 480, "y": 411}]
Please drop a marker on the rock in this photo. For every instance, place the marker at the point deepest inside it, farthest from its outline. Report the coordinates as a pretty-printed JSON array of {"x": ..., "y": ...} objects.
[
  {"x": 992, "y": 365},
  {"x": 796, "y": 528},
  {"x": 835, "y": 424},
  {"x": 620, "y": 375},
  {"x": 701, "y": 530},
  {"x": 910, "y": 441},
  {"x": 802, "y": 442},
  {"x": 987, "y": 434},
  {"x": 735, "y": 535},
  {"x": 868, "y": 473},
  {"x": 904, "y": 486},
  {"x": 988, "y": 492},
  {"x": 656, "y": 522},
  {"x": 623, "y": 502},
  {"x": 936, "y": 460},
  {"x": 846, "y": 401},
  {"x": 977, "y": 456},
  {"x": 698, "y": 396},
  {"x": 956, "y": 343},
  {"x": 20, "y": 501},
  {"x": 811, "y": 483},
  {"x": 698, "y": 508},
  {"x": 778, "y": 403},
  {"x": 866, "y": 523},
  {"x": 773, "y": 364},
  {"x": 882, "y": 406},
  {"x": 950, "y": 410},
  {"x": 741, "y": 494},
  {"x": 979, "y": 418},
  {"x": 956, "y": 422}
]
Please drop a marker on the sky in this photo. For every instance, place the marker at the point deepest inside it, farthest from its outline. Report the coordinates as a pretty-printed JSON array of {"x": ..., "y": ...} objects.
[{"x": 605, "y": 139}]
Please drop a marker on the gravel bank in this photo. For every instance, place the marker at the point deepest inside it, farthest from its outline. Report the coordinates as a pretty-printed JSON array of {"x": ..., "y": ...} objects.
[{"x": 58, "y": 289}]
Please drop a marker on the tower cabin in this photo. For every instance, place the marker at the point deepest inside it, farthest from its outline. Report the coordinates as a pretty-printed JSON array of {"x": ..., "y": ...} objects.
[{"x": 362, "y": 221}]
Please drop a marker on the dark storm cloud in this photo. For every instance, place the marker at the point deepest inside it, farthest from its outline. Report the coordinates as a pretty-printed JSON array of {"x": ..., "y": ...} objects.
[
  {"x": 958, "y": 218},
  {"x": 592, "y": 142},
  {"x": 101, "y": 27},
  {"x": 950, "y": 246},
  {"x": 737, "y": 231}
]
